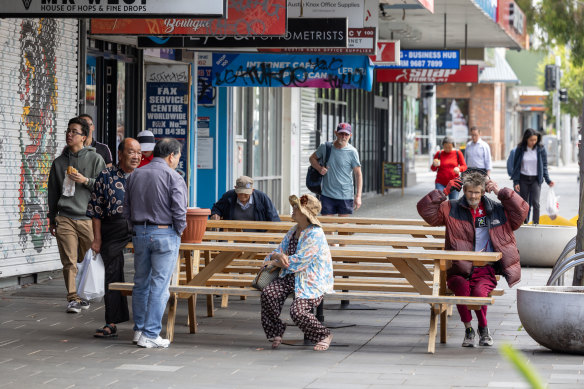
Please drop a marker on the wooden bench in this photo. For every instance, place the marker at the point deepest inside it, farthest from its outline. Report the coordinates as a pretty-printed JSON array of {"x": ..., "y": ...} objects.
[
  {"x": 415, "y": 281},
  {"x": 364, "y": 220}
]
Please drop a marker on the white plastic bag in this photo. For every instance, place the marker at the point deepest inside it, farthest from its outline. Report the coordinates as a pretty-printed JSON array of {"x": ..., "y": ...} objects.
[
  {"x": 90, "y": 279},
  {"x": 68, "y": 187},
  {"x": 553, "y": 204}
]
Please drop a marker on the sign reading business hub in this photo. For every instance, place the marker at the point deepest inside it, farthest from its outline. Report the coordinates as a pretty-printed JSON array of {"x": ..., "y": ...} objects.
[{"x": 113, "y": 8}]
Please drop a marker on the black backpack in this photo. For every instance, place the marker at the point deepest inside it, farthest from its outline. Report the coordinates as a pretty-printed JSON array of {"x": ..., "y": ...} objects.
[{"x": 313, "y": 176}]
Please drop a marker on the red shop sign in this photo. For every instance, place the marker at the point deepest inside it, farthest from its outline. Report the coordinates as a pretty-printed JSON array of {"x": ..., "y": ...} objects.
[
  {"x": 466, "y": 73},
  {"x": 387, "y": 53},
  {"x": 244, "y": 18}
]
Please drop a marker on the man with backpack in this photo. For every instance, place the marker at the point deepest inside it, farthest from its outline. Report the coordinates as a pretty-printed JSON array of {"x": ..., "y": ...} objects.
[{"x": 338, "y": 196}]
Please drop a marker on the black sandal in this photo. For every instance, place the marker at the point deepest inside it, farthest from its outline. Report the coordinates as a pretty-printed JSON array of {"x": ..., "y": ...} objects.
[{"x": 108, "y": 331}]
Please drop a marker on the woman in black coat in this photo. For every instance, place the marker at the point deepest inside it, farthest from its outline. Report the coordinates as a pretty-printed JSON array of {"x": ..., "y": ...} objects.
[{"x": 530, "y": 169}]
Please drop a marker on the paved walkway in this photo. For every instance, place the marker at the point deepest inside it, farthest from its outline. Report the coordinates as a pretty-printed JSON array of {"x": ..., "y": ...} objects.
[{"x": 41, "y": 345}]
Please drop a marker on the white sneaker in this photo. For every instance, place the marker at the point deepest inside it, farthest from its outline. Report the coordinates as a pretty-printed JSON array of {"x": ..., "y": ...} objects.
[
  {"x": 137, "y": 335},
  {"x": 153, "y": 343}
]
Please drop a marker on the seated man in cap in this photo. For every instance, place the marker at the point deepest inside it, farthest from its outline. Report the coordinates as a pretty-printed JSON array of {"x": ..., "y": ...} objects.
[
  {"x": 147, "y": 143},
  {"x": 244, "y": 203}
]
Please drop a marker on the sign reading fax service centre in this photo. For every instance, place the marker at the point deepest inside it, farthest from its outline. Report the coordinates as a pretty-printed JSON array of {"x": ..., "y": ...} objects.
[{"x": 113, "y": 8}]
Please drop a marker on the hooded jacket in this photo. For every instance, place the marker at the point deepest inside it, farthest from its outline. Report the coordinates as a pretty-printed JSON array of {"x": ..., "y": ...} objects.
[
  {"x": 502, "y": 218},
  {"x": 88, "y": 163}
]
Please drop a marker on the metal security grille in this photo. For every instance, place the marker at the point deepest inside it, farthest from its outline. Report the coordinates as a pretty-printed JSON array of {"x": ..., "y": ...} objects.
[
  {"x": 308, "y": 135},
  {"x": 38, "y": 95}
]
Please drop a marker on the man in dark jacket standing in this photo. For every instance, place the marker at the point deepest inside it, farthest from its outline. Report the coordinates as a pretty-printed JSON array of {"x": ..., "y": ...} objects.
[
  {"x": 245, "y": 203},
  {"x": 476, "y": 223}
]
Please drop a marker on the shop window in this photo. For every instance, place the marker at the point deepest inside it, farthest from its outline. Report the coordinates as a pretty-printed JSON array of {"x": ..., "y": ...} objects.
[{"x": 452, "y": 120}]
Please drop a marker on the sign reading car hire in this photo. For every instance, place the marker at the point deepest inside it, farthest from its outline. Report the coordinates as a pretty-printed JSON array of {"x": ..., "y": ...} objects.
[
  {"x": 249, "y": 18},
  {"x": 466, "y": 73},
  {"x": 285, "y": 70},
  {"x": 112, "y": 8}
]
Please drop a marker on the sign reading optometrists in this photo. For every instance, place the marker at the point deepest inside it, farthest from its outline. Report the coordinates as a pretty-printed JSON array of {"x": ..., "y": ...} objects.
[{"x": 113, "y": 8}]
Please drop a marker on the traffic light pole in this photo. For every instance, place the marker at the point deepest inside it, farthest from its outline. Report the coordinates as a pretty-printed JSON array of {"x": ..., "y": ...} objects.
[
  {"x": 556, "y": 107},
  {"x": 431, "y": 101}
]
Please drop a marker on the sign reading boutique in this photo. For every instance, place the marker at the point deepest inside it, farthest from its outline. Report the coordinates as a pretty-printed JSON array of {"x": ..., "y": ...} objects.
[
  {"x": 249, "y": 18},
  {"x": 167, "y": 106},
  {"x": 281, "y": 70},
  {"x": 113, "y": 8}
]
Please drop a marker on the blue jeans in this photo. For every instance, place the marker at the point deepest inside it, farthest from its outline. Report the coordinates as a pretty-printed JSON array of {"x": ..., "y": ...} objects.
[
  {"x": 452, "y": 196},
  {"x": 155, "y": 256}
]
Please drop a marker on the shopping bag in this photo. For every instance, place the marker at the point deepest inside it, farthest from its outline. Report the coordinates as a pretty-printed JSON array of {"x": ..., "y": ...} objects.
[
  {"x": 553, "y": 204},
  {"x": 90, "y": 279}
]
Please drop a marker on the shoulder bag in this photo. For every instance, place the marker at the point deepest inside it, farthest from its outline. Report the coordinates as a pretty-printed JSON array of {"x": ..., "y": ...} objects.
[
  {"x": 313, "y": 176},
  {"x": 265, "y": 277}
]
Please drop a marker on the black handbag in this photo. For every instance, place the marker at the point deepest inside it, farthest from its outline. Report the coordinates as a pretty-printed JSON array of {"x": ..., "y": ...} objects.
[
  {"x": 313, "y": 176},
  {"x": 265, "y": 277}
]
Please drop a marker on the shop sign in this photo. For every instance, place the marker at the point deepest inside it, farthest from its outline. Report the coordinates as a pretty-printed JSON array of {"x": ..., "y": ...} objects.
[
  {"x": 302, "y": 32},
  {"x": 112, "y": 8},
  {"x": 489, "y": 7},
  {"x": 249, "y": 18},
  {"x": 359, "y": 41},
  {"x": 167, "y": 106},
  {"x": 427, "y": 59},
  {"x": 279, "y": 70},
  {"x": 205, "y": 90},
  {"x": 360, "y": 13},
  {"x": 387, "y": 53},
  {"x": 466, "y": 73}
]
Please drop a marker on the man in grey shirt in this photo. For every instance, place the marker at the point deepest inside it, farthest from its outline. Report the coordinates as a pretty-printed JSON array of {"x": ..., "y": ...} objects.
[{"x": 156, "y": 205}]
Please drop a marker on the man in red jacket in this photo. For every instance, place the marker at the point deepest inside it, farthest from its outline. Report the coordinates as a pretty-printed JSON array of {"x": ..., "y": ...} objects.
[{"x": 477, "y": 223}]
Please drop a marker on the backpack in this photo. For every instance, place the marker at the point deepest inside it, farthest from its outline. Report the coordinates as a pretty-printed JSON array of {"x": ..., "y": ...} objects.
[{"x": 313, "y": 176}]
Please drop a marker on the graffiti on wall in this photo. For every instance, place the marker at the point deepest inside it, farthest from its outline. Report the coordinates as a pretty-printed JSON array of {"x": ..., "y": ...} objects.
[{"x": 37, "y": 87}]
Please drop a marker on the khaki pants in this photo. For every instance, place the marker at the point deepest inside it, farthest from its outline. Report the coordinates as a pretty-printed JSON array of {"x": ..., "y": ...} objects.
[{"x": 74, "y": 238}]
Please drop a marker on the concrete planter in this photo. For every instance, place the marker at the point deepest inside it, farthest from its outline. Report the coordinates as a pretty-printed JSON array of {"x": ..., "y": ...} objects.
[
  {"x": 553, "y": 316},
  {"x": 541, "y": 245}
]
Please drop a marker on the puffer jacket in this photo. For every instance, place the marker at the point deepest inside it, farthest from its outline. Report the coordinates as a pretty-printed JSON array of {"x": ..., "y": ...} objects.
[{"x": 503, "y": 218}]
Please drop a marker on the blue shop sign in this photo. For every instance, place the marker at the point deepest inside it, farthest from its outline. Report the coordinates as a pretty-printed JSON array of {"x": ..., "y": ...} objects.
[
  {"x": 426, "y": 59},
  {"x": 489, "y": 6},
  {"x": 285, "y": 70}
]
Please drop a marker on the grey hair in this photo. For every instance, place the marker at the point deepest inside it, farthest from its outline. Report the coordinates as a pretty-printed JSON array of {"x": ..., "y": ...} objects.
[
  {"x": 166, "y": 146},
  {"x": 474, "y": 179}
]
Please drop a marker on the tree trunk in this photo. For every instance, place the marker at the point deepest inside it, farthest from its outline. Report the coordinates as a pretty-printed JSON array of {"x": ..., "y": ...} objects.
[{"x": 579, "y": 270}]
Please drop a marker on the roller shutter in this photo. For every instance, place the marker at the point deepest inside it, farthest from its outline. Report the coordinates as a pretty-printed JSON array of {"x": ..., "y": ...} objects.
[
  {"x": 307, "y": 132},
  {"x": 38, "y": 95}
]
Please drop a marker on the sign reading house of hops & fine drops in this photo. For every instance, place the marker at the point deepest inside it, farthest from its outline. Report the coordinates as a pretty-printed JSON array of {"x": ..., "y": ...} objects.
[{"x": 113, "y": 8}]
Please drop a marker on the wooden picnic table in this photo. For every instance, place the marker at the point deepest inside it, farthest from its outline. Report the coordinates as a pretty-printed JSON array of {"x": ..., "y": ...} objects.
[
  {"x": 364, "y": 220},
  {"x": 340, "y": 228},
  {"x": 423, "y": 285}
]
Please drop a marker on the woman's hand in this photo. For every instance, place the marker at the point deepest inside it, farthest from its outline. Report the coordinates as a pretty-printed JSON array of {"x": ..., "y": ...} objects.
[
  {"x": 436, "y": 162},
  {"x": 457, "y": 170},
  {"x": 516, "y": 188},
  {"x": 551, "y": 184},
  {"x": 280, "y": 260}
]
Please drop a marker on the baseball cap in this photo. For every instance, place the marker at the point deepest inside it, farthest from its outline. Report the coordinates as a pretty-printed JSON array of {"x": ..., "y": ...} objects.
[
  {"x": 345, "y": 128},
  {"x": 244, "y": 184},
  {"x": 146, "y": 139}
]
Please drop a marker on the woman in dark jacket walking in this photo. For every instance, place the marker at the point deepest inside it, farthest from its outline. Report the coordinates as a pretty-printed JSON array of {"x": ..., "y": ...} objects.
[{"x": 530, "y": 169}]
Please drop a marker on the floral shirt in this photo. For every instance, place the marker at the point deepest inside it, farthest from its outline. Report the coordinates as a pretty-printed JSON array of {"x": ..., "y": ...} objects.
[
  {"x": 107, "y": 197},
  {"x": 311, "y": 264}
]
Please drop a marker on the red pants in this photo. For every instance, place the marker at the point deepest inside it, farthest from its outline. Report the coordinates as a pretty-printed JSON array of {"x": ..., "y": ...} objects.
[{"x": 482, "y": 281}]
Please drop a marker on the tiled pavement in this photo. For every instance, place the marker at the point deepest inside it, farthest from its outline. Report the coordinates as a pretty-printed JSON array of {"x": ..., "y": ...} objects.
[{"x": 42, "y": 346}]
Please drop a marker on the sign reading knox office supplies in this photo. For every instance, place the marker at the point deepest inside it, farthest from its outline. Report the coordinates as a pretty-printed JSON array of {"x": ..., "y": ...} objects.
[
  {"x": 427, "y": 59},
  {"x": 112, "y": 8}
]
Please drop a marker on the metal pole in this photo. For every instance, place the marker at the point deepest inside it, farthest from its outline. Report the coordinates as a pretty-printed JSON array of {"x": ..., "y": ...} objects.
[{"x": 558, "y": 113}]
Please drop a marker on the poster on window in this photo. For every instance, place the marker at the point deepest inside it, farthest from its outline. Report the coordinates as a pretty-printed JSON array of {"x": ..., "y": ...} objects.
[
  {"x": 459, "y": 127},
  {"x": 167, "y": 106}
]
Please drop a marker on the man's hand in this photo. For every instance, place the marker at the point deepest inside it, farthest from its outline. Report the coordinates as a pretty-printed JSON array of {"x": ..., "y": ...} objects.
[
  {"x": 215, "y": 217},
  {"x": 455, "y": 184},
  {"x": 323, "y": 170},
  {"x": 78, "y": 177},
  {"x": 492, "y": 186},
  {"x": 96, "y": 246},
  {"x": 357, "y": 202},
  {"x": 53, "y": 229}
]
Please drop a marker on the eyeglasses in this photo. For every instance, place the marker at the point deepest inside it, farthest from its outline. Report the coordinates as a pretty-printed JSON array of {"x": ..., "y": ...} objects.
[{"x": 70, "y": 131}]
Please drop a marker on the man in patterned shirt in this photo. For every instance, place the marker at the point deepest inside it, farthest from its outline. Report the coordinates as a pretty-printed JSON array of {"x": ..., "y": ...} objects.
[{"x": 111, "y": 230}]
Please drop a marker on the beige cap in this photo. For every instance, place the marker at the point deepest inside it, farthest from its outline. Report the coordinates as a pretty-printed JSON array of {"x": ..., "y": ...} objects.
[
  {"x": 244, "y": 184},
  {"x": 308, "y": 205}
]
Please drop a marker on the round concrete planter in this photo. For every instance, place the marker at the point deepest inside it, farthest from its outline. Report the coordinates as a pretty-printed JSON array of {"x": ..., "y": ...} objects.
[
  {"x": 541, "y": 245},
  {"x": 553, "y": 316}
]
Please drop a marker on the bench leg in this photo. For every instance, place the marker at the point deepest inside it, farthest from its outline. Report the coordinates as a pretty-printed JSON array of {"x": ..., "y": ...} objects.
[
  {"x": 193, "y": 314},
  {"x": 192, "y": 261},
  {"x": 225, "y": 301},
  {"x": 172, "y": 303},
  {"x": 210, "y": 307},
  {"x": 444, "y": 322},
  {"x": 433, "y": 330}
]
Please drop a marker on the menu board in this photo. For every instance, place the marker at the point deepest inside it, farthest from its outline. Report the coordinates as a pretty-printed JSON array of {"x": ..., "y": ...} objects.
[{"x": 392, "y": 176}]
